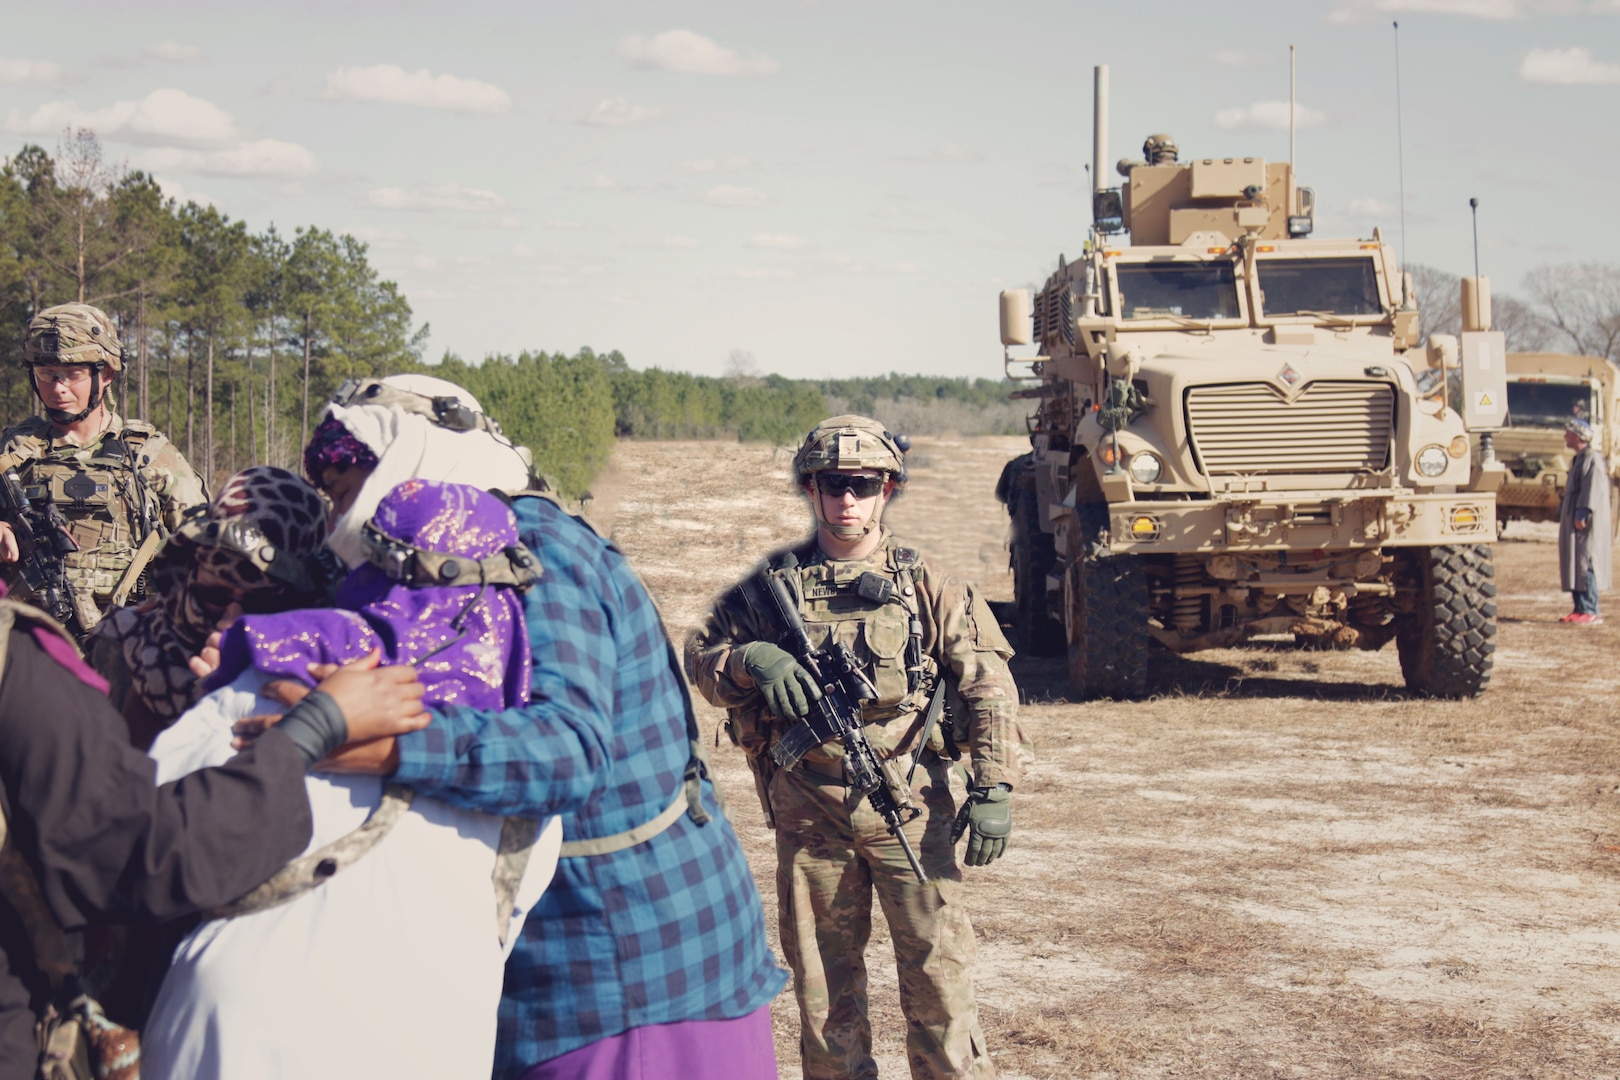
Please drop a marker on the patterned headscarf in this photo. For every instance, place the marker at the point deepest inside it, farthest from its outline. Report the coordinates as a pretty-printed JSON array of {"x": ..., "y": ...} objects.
[
  {"x": 187, "y": 580},
  {"x": 333, "y": 444},
  {"x": 411, "y": 446},
  {"x": 467, "y": 642}
]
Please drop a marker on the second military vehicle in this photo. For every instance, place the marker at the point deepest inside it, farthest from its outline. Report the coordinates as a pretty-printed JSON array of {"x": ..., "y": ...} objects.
[
  {"x": 1545, "y": 391},
  {"x": 1237, "y": 432}
]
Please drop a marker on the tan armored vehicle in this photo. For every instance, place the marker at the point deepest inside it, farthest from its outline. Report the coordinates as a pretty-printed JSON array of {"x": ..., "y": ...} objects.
[
  {"x": 1230, "y": 439},
  {"x": 1545, "y": 391}
]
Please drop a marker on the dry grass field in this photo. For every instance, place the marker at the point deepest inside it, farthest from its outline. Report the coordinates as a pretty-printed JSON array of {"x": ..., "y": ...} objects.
[{"x": 1279, "y": 866}]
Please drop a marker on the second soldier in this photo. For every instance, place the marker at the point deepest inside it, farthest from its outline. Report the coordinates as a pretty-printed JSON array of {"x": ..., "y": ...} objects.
[{"x": 915, "y": 633}]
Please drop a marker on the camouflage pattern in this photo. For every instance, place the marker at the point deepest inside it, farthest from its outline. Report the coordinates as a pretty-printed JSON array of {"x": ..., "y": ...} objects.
[
  {"x": 833, "y": 850},
  {"x": 848, "y": 442},
  {"x": 109, "y": 503},
  {"x": 73, "y": 334}
]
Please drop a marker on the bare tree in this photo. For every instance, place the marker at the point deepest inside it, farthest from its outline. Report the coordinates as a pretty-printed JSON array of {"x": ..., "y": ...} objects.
[
  {"x": 1582, "y": 305},
  {"x": 742, "y": 368},
  {"x": 76, "y": 226},
  {"x": 1439, "y": 297}
]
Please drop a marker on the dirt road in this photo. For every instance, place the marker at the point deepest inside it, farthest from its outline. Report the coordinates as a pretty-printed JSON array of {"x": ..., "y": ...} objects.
[{"x": 1279, "y": 866}]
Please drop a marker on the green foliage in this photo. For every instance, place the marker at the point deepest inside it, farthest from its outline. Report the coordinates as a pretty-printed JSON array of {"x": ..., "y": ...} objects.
[
  {"x": 559, "y": 406},
  {"x": 569, "y": 409}
]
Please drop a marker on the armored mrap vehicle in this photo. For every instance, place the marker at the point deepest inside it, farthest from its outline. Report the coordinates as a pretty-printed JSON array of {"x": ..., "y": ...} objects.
[
  {"x": 1545, "y": 391},
  {"x": 1237, "y": 433}
]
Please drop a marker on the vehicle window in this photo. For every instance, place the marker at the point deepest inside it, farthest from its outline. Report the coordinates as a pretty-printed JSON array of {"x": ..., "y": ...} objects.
[
  {"x": 1334, "y": 286},
  {"x": 1185, "y": 290},
  {"x": 1546, "y": 405}
]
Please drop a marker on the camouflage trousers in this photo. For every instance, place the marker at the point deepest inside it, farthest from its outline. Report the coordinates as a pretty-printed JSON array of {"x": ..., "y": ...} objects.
[{"x": 833, "y": 852}]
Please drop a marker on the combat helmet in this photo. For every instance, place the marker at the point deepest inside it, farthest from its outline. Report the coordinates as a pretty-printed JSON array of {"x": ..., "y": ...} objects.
[
  {"x": 1160, "y": 150},
  {"x": 850, "y": 442},
  {"x": 74, "y": 334}
]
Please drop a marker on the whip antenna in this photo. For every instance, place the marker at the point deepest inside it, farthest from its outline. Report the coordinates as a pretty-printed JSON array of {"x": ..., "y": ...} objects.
[
  {"x": 1400, "y": 140},
  {"x": 1473, "y": 208},
  {"x": 1291, "y": 97}
]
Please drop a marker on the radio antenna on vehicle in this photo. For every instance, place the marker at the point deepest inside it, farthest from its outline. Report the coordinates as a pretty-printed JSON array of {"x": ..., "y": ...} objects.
[
  {"x": 1400, "y": 142},
  {"x": 1473, "y": 208}
]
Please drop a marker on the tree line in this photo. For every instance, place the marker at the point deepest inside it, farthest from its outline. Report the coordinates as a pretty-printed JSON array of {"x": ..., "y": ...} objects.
[
  {"x": 229, "y": 335},
  {"x": 234, "y": 338}
]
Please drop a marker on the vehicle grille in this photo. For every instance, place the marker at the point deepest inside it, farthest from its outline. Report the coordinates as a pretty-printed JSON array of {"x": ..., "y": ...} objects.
[{"x": 1331, "y": 427}]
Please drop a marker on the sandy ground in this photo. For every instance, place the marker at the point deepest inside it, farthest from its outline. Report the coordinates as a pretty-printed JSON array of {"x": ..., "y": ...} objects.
[{"x": 1279, "y": 866}]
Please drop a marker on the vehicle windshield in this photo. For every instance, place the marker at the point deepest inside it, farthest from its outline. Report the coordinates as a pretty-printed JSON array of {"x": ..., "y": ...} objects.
[
  {"x": 1184, "y": 290},
  {"x": 1547, "y": 405},
  {"x": 1318, "y": 286}
]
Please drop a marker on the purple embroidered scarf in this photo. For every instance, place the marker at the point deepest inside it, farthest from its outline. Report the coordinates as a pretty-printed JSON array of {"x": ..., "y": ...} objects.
[{"x": 469, "y": 644}]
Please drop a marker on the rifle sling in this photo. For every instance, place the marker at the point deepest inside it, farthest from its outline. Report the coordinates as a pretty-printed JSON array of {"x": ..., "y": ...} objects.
[{"x": 143, "y": 556}]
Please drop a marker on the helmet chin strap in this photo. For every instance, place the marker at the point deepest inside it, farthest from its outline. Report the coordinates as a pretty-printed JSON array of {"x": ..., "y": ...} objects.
[
  {"x": 848, "y": 533},
  {"x": 59, "y": 416}
]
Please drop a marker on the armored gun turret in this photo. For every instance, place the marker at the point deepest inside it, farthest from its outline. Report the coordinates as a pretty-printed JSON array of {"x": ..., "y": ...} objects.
[{"x": 1237, "y": 433}]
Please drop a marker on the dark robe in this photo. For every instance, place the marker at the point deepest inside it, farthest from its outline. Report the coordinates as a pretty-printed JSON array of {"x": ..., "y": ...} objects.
[{"x": 109, "y": 844}]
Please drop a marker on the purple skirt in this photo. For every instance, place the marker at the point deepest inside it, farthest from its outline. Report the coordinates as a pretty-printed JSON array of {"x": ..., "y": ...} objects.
[{"x": 740, "y": 1049}]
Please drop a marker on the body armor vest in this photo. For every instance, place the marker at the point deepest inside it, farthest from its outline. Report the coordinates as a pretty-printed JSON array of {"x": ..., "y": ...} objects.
[
  {"x": 884, "y": 634},
  {"x": 104, "y": 493}
]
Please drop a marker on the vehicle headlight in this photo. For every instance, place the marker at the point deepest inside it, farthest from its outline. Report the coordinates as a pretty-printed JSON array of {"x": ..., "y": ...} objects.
[
  {"x": 1146, "y": 468},
  {"x": 1432, "y": 460}
]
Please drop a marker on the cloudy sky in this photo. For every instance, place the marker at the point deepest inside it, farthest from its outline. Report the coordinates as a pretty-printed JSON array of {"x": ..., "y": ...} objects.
[{"x": 832, "y": 187}]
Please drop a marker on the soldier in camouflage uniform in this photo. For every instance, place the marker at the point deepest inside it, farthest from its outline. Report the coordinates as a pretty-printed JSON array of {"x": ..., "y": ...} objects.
[
  {"x": 833, "y": 850},
  {"x": 121, "y": 485}
]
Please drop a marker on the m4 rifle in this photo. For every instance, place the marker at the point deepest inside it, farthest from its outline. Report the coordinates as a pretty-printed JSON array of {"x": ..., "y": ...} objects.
[{"x": 836, "y": 715}]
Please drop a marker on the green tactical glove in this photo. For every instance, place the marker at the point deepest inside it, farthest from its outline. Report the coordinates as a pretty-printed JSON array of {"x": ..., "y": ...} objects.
[
  {"x": 787, "y": 687},
  {"x": 987, "y": 819}
]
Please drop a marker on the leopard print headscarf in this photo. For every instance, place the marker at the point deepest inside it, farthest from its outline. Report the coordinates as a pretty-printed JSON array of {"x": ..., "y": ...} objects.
[{"x": 191, "y": 582}]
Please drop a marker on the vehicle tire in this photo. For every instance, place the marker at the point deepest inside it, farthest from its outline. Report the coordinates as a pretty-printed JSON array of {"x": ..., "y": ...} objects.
[
  {"x": 1033, "y": 556},
  {"x": 1108, "y": 634},
  {"x": 1447, "y": 640}
]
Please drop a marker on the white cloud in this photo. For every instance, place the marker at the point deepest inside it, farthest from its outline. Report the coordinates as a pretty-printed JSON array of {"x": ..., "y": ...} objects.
[
  {"x": 1267, "y": 114},
  {"x": 714, "y": 165},
  {"x": 617, "y": 112},
  {"x": 181, "y": 194},
  {"x": 905, "y": 268},
  {"x": 261, "y": 157},
  {"x": 447, "y": 196},
  {"x": 763, "y": 273},
  {"x": 681, "y": 242},
  {"x": 736, "y": 197},
  {"x": 391, "y": 84},
  {"x": 782, "y": 241},
  {"x": 603, "y": 183},
  {"x": 29, "y": 71},
  {"x": 162, "y": 118},
  {"x": 691, "y": 54},
  {"x": 1567, "y": 67},
  {"x": 568, "y": 224},
  {"x": 620, "y": 300},
  {"x": 1364, "y": 10},
  {"x": 1231, "y": 58},
  {"x": 524, "y": 251},
  {"x": 424, "y": 262},
  {"x": 172, "y": 52}
]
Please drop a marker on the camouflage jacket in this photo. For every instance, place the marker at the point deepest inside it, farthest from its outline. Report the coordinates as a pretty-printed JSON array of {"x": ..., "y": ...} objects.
[
  {"x": 959, "y": 636},
  {"x": 111, "y": 500}
]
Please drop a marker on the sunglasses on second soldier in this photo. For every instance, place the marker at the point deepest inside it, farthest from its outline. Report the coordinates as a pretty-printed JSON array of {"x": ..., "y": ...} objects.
[{"x": 835, "y": 484}]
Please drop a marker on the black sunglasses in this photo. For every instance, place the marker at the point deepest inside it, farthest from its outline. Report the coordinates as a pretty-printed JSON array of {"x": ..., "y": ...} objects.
[{"x": 835, "y": 484}]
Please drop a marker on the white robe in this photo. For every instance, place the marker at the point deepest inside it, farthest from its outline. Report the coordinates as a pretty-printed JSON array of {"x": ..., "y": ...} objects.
[{"x": 390, "y": 969}]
